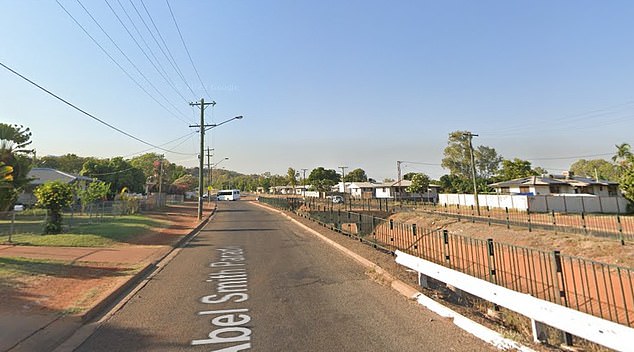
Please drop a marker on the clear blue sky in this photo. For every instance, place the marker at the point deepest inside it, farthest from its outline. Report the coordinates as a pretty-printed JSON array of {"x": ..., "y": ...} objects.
[{"x": 328, "y": 83}]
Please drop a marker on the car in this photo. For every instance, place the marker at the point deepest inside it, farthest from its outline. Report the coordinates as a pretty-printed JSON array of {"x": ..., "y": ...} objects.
[{"x": 337, "y": 199}]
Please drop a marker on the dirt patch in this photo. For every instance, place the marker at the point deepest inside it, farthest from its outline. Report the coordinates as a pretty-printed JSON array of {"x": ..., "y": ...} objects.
[
  {"x": 600, "y": 249},
  {"x": 74, "y": 287}
]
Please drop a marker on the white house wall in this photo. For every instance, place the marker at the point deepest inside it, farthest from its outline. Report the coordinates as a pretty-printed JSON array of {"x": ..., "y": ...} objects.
[{"x": 540, "y": 203}]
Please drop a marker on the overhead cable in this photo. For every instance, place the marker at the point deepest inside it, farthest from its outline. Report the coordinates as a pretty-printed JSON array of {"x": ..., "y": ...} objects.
[
  {"x": 173, "y": 61},
  {"x": 88, "y": 114},
  {"x": 186, "y": 49},
  {"x": 117, "y": 63}
]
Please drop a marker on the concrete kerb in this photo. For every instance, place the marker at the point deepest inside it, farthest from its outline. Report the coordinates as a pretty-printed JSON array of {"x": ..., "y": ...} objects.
[
  {"x": 128, "y": 287},
  {"x": 478, "y": 330}
]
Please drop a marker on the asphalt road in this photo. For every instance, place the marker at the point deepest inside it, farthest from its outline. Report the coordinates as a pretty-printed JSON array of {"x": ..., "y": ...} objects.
[{"x": 253, "y": 280}]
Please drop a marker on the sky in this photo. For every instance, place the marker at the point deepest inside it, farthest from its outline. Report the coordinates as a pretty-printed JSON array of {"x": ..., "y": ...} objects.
[{"x": 359, "y": 84}]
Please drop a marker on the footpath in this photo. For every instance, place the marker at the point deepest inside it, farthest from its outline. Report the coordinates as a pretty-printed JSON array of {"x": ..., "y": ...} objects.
[{"x": 41, "y": 310}]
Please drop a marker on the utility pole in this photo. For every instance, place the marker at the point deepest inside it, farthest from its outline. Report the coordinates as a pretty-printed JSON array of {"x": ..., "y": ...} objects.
[
  {"x": 160, "y": 181},
  {"x": 473, "y": 171},
  {"x": 304, "y": 183},
  {"x": 209, "y": 155},
  {"x": 202, "y": 127},
  {"x": 343, "y": 178},
  {"x": 398, "y": 172}
]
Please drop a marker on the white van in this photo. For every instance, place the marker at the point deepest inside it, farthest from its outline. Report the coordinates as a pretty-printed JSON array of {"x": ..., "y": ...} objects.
[{"x": 229, "y": 194}]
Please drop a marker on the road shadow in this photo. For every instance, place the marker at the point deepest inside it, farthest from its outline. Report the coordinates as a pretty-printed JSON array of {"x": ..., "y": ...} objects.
[{"x": 239, "y": 230}]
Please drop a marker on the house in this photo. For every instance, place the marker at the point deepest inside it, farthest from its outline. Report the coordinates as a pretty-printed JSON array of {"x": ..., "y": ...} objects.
[
  {"x": 389, "y": 190},
  {"x": 398, "y": 190},
  {"x": 564, "y": 184},
  {"x": 298, "y": 190},
  {"x": 42, "y": 175}
]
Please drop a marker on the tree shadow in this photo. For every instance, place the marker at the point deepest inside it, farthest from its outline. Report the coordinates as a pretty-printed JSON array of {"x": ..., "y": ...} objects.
[{"x": 59, "y": 269}]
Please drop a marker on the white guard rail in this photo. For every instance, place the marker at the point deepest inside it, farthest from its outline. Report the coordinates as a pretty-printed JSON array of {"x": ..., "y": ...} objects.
[{"x": 591, "y": 328}]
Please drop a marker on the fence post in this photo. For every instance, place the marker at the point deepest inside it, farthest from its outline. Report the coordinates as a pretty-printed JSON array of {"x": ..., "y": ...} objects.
[
  {"x": 560, "y": 285},
  {"x": 508, "y": 224},
  {"x": 494, "y": 311},
  {"x": 414, "y": 234},
  {"x": 583, "y": 221},
  {"x": 12, "y": 225},
  {"x": 458, "y": 211},
  {"x": 374, "y": 230},
  {"x": 488, "y": 215},
  {"x": 445, "y": 239},
  {"x": 70, "y": 223},
  {"x": 554, "y": 221},
  {"x": 528, "y": 213},
  {"x": 618, "y": 223},
  {"x": 391, "y": 230}
]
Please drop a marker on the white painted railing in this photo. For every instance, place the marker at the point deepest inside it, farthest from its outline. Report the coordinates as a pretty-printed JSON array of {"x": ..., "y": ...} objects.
[{"x": 591, "y": 328}]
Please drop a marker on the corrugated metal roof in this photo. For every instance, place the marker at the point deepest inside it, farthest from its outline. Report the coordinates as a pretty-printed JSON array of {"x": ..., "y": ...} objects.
[{"x": 41, "y": 175}]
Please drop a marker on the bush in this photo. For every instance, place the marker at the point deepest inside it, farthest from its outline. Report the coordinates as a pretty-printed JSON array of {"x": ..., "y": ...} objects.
[{"x": 54, "y": 196}]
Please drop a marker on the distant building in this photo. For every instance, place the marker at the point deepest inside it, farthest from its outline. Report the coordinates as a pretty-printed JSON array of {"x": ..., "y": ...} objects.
[
  {"x": 42, "y": 175},
  {"x": 555, "y": 184}
]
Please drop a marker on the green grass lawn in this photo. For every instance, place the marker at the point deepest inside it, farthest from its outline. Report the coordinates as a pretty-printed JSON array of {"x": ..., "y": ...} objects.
[{"x": 85, "y": 234}]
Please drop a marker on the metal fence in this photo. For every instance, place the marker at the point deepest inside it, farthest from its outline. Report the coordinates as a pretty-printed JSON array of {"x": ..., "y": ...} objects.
[
  {"x": 599, "y": 289},
  {"x": 615, "y": 226},
  {"x": 33, "y": 220}
]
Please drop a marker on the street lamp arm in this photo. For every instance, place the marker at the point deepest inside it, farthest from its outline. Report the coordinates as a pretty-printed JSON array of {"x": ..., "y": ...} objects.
[{"x": 223, "y": 122}]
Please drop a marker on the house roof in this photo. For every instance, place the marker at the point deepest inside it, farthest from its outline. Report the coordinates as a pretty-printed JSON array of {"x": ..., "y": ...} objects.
[
  {"x": 574, "y": 181},
  {"x": 41, "y": 175},
  {"x": 529, "y": 181}
]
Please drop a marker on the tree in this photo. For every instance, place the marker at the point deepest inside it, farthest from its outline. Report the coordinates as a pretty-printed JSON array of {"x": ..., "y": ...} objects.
[
  {"x": 487, "y": 161},
  {"x": 323, "y": 179},
  {"x": 54, "y": 196},
  {"x": 623, "y": 153},
  {"x": 118, "y": 172},
  {"x": 408, "y": 176},
  {"x": 603, "y": 169},
  {"x": 14, "y": 140},
  {"x": 291, "y": 174},
  {"x": 183, "y": 184},
  {"x": 87, "y": 194},
  {"x": 356, "y": 175},
  {"x": 625, "y": 160},
  {"x": 458, "y": 157},
  {"x": 420, "y": 183},
  {"x": 516, "y": 168},
  {"x": 70, "y": 163}
]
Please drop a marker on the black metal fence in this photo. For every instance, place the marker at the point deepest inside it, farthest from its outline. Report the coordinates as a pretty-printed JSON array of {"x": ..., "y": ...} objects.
[
  {"x": 615, "y": 226},
  {"x": 599, "y": 289}
]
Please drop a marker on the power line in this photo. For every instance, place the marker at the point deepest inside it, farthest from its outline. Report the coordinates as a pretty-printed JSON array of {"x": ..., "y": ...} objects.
[
  {"x": 112, "y": 173},
  {"x": 172, "y": 62},
  {"x": 129, "y": 60},
  {"x": 190, "y": 134},
  {"x": 137, "y": 42},
  {"x": 158, "y": 62},
  {"x": 186, "y": 50},
  {"x": 116, "y": 62},
  {"x": 88, "y": 114},
  {"x": 571, "y": 157}
]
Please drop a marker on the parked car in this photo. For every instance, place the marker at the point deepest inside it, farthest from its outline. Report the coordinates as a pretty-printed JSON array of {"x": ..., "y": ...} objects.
[{"x": 337, "y": 199}]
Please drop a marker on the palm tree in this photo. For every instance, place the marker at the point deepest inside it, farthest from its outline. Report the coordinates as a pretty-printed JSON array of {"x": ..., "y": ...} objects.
[{"x": 623, "y": 154}]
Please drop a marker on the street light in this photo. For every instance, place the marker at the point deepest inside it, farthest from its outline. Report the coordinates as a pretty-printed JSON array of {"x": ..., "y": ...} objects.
[{"x": 223, "y": 122}]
